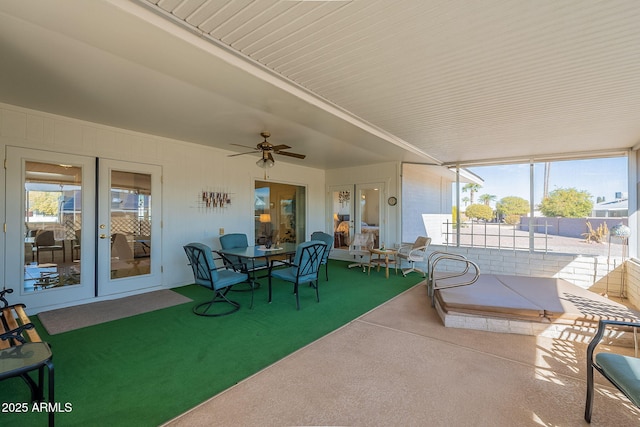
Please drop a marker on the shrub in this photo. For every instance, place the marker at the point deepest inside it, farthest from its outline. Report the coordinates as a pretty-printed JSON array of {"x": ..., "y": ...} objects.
[
  {"x": 598, "y": 235},
  {"x": 512, "y": 219},
  {"x": 479, "y": 212}
]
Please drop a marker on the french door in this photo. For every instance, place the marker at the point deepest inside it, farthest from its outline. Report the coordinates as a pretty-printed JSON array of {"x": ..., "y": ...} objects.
[
  {"x": 54, "y": 253},
  {"x": 128, "y": 232},
  {"x": 356, "y": 208},
  {"x": 341, "y": 215},
  {"x": 370, "y": 212}
]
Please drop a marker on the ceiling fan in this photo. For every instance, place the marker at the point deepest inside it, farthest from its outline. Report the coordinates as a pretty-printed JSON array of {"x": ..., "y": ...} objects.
[{"x": 266, "y": 148}]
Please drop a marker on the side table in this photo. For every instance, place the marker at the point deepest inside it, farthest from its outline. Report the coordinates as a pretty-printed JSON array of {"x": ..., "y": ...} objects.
[
  {"x": 383, "y": 258},
  {"x": 18, "y": 361}
]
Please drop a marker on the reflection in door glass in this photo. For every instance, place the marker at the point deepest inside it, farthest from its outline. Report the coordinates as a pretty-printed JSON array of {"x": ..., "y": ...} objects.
[
  {"x": 130, "y": 226},
  {"x": 53, "y": 224},
  {"x": 279, "y": 213},
  {"x": 370, "y": 213},
  {"x": 341, "y": 218}
]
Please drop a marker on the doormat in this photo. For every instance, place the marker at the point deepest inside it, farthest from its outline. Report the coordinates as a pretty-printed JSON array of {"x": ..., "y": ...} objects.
[{"x": 80, "y": 316}]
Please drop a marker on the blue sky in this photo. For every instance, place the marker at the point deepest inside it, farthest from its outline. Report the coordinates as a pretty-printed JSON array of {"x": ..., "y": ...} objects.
[{"x": 600, "y": 177}]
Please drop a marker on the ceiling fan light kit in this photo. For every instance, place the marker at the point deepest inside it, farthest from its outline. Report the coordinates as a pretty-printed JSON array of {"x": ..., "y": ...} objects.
[{"x": 265, "y": 163}]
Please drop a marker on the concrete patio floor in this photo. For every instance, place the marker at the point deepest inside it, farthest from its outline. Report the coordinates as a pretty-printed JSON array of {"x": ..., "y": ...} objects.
[{"x": 398, "y": 365}]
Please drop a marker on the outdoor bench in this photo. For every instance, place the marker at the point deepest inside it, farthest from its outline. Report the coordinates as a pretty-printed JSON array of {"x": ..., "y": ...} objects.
[
  {"x": 22, "y": 351},
  {"x": 15, "y": 326}
]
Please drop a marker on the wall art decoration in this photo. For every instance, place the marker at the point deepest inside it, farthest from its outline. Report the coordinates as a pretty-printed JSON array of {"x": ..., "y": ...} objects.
[{"x": 213, "y": 200}]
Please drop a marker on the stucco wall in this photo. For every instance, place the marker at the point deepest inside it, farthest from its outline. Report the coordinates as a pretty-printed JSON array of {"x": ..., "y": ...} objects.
[
  {"x": 568, "y": 227},
  {"x": 424, "y": 193}
]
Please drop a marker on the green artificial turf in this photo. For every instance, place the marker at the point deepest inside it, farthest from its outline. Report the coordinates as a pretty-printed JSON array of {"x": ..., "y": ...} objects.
[{"x": 146, "y": 369}]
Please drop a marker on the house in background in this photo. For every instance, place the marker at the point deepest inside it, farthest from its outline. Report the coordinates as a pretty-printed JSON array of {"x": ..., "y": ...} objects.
[
  {"x": 157, "y": 100},
  {"x": 618, "y": 208}
]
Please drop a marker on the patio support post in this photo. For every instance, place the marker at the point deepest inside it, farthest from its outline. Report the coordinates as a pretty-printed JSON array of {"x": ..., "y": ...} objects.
[
  {"x": 531, "y": 208},
  {"x": 458, "y": 205}
]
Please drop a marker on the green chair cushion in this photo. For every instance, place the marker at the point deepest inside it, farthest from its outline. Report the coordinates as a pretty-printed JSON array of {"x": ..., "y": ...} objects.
[{"x": 624, "y": 371}]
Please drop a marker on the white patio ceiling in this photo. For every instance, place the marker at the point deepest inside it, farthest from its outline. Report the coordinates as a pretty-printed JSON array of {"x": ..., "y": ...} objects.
[{"x": 344, "y": 82}]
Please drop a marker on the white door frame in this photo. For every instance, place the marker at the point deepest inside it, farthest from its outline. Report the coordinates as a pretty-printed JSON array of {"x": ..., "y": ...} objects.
[
  {"x": 135, "y": 284},
  {"x": 14, "y": 259}
]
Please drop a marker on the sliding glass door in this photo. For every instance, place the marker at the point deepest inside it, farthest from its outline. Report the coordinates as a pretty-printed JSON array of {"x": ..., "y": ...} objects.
[{"x": 279, "y": 213}]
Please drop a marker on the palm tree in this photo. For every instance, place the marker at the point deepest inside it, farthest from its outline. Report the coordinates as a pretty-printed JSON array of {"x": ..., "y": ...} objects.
[
  {"x": 487, "y": 198},
  {"x": 472, "y": 189},
  {"x": 465, "y": 200},
  {"x": 547, "y": 172}
]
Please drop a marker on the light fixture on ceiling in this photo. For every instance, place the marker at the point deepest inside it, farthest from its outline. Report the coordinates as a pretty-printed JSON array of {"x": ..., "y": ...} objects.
[{"x": 266, "y": 161}]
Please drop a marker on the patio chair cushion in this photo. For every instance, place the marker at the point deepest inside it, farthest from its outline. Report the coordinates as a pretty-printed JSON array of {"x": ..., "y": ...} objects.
[
  {"x": 227, "y": 278},
  {"x": 289, "y": 274},
  {"x": 624, "y": 371}
]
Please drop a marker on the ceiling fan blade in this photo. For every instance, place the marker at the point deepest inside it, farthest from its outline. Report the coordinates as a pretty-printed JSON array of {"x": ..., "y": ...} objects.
[
  {"x": 241, "y": 154},
  {"x": 245, "y": 146},
  {"x": 296, "y": 155},
  {"x": 277, "y": 148}
]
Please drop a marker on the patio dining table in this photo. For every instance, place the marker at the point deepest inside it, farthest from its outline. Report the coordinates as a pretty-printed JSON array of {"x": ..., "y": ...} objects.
[{"x": 281, "y": 252}]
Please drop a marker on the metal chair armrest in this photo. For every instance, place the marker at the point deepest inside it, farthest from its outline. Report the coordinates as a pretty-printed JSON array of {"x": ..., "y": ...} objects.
[
  {"x": 602, "y": 327},
  {"x": 16, "y": 334}
]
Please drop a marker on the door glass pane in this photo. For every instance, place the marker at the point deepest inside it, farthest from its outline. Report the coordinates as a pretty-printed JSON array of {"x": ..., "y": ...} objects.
[
  {"x": 53, "y": 224},
  {"x": 130, "y": 224},
  {"x": 279, "y": 211},
  {"x": 370, "y": 213},
  {"x": 341, "y": 202}
]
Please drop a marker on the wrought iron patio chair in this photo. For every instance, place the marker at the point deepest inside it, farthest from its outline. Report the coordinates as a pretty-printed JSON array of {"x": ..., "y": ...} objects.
[
  {"x": 305, "y": 268},
  {"x": 328, "y": 240},
  {"x": 206, "y": 274}
]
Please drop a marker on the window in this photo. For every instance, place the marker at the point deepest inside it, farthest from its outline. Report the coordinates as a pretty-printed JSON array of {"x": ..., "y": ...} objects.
[
  {"x": 562, "y": 206},
  {"x": 53, "y": 221},
  {"x": 575, "y": 203}
]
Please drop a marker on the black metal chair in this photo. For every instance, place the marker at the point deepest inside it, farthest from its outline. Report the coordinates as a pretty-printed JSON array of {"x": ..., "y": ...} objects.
[
  {"x": 328, "y": 240},
  {"x": 45, "y": 241},
  {"x": 305, "y": 268},
  {"x": 219, "y": 281},
  {"x": 620, "y": 370}
]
